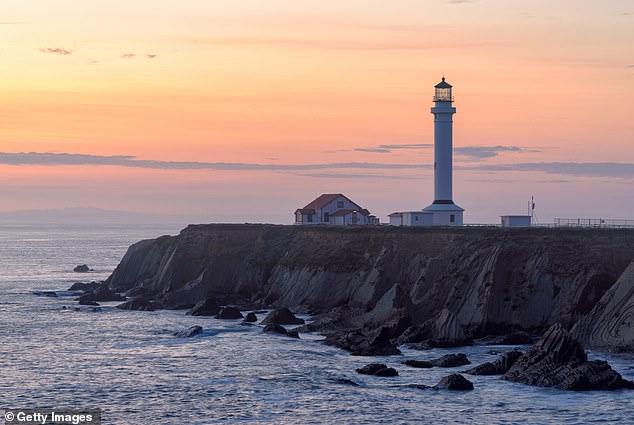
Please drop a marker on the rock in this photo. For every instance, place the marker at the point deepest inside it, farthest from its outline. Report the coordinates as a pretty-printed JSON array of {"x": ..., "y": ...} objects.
[
  {"x": 500, "y": 366},
  {"x": 251, "y": 317},
  {"x": 417, "y": 386},
  {"x": 429, "y": 344},
  {"x": 82, "y": 269},
  {"x": 361, "y": 342},
  {"x": 388, "y": 371},
  {"x": 188, "y": 333},
  {"x": 207, "y": 307},
  {"x": 441, "y": 331},
  {"x": 50, "y": 294},
  {"x": 275, "y": 328},
  {"x": 377, "y": 369},
  {"x": 513, "y": 338},
  {"x": 229, "y": 312},
  {"x": 558, "y": 360},
  {"x": 344, "y": 381},
  {"x": 517, "y": 338},
  {"x": 418, "y": 363},
  {"x": 451, "y": 360},
  {"x": 85, "y": 286},
  {"x": 371, "y": 369},
  {"x": 454, "y": 382},
  {"x": 101, "y": 293},
  {"x": 609, "y": 325},
  {"x": 87, "y": 302},
  {"x": 138, "y": 304},
  {"x": 282, "y": 316}
]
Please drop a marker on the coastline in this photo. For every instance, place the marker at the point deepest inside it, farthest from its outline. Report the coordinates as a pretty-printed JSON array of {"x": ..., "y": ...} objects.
[{"x": 442, "y": 286}]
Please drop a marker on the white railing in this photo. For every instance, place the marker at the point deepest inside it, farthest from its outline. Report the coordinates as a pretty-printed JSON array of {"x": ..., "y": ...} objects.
[{"x": 594, "y": 222}]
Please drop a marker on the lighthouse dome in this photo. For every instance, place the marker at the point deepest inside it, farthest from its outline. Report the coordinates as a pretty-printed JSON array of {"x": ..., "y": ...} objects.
[{"x": 443, "y": 84}]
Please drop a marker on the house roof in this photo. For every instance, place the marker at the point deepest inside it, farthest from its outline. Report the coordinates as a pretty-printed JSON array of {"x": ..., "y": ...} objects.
[
  {"x": 343, "y": 213},
  {"x": 325, "y": 199}
]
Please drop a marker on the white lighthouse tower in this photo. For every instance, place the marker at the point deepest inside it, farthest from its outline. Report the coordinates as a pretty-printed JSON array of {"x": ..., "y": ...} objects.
[{"x": 445, "y": 212}]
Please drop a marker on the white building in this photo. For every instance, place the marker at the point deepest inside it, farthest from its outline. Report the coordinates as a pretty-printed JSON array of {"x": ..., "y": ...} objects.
[
  {"x": 443, "y": 211},
  {"x": 333, "y": 208},
  {"x": 412, "y": 218},
  {"x": 516, "y": 221}
]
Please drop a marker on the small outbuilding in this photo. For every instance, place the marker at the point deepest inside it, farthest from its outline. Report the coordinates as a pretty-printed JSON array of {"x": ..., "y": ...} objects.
[
  {"x": 516, "y": 221},
  {"x": 412, "y": 218}
]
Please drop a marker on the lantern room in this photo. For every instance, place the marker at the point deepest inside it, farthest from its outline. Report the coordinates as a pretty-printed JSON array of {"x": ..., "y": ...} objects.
[{"x": 443, "y": 92}]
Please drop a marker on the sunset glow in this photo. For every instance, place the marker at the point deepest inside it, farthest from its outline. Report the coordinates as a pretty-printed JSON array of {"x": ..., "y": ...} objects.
[{"x": 306, "y": 97}]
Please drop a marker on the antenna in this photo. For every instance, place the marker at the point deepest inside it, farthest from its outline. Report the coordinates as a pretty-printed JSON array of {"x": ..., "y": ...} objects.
[{"x": 531, "y": 211}]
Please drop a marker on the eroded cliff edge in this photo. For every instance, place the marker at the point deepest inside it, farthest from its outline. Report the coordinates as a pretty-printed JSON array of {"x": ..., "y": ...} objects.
[{"x": 460, "y": 282}]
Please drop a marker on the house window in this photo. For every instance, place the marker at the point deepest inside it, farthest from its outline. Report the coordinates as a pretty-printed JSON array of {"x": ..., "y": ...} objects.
[
  {"x": 309, "y": 218},
  {"x": 326, "y": 217},
  {"x": 339, "y": 204},
  {"x": 452, "y": 218}
]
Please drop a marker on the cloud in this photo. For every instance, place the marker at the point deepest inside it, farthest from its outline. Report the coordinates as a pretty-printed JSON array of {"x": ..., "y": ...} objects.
[
  {"x": 355, "y": 176},
  {"x": 51, "y": 159},
  {"x": 586, "y": 169},
  {"x": 390, "y": 148},
  {"x": 56, "y": 51},
  {"x": 473, "y": 152},
  {"x": 134, "y": 55},
  {"x": 374, "y": 150},
  {"x": 481, "y": 152}
]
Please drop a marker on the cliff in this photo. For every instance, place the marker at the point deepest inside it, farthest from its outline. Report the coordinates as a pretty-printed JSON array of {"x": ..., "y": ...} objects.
[
  {"x": 610, "y": 324},
  {"x": 460, "y": 282}
]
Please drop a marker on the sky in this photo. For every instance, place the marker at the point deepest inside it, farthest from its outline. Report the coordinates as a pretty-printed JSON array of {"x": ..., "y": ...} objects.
[{"x": 246, "y": 110}]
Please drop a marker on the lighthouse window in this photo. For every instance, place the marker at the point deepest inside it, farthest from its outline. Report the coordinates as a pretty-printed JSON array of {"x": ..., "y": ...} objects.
[
  {"x": 452, "y": 218},
  {"x": 443, "y": 94}
]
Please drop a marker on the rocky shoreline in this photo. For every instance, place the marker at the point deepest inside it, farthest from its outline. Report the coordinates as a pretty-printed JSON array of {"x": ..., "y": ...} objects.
[{"x": 372, "y": 289}]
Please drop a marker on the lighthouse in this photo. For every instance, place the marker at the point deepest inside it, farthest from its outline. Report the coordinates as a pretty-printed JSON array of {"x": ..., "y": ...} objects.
[{"x": 444, "y": 211}]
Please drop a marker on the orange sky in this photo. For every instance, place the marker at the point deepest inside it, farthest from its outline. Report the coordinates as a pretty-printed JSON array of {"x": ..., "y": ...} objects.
[{"x": 308, "y": 84}]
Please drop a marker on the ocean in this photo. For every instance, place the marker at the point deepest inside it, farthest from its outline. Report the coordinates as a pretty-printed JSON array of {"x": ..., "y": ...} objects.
[{"x": 130, "y": 364}]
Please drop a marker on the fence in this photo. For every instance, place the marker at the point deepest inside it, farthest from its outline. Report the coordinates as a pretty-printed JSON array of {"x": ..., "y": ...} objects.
[{"x": 594, "y": 222}]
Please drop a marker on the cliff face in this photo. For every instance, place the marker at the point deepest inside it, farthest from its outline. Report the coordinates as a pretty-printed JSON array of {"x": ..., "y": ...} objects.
[
  {"x": 470, "y": 281},
  {"x": 610, "y": 324}
]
